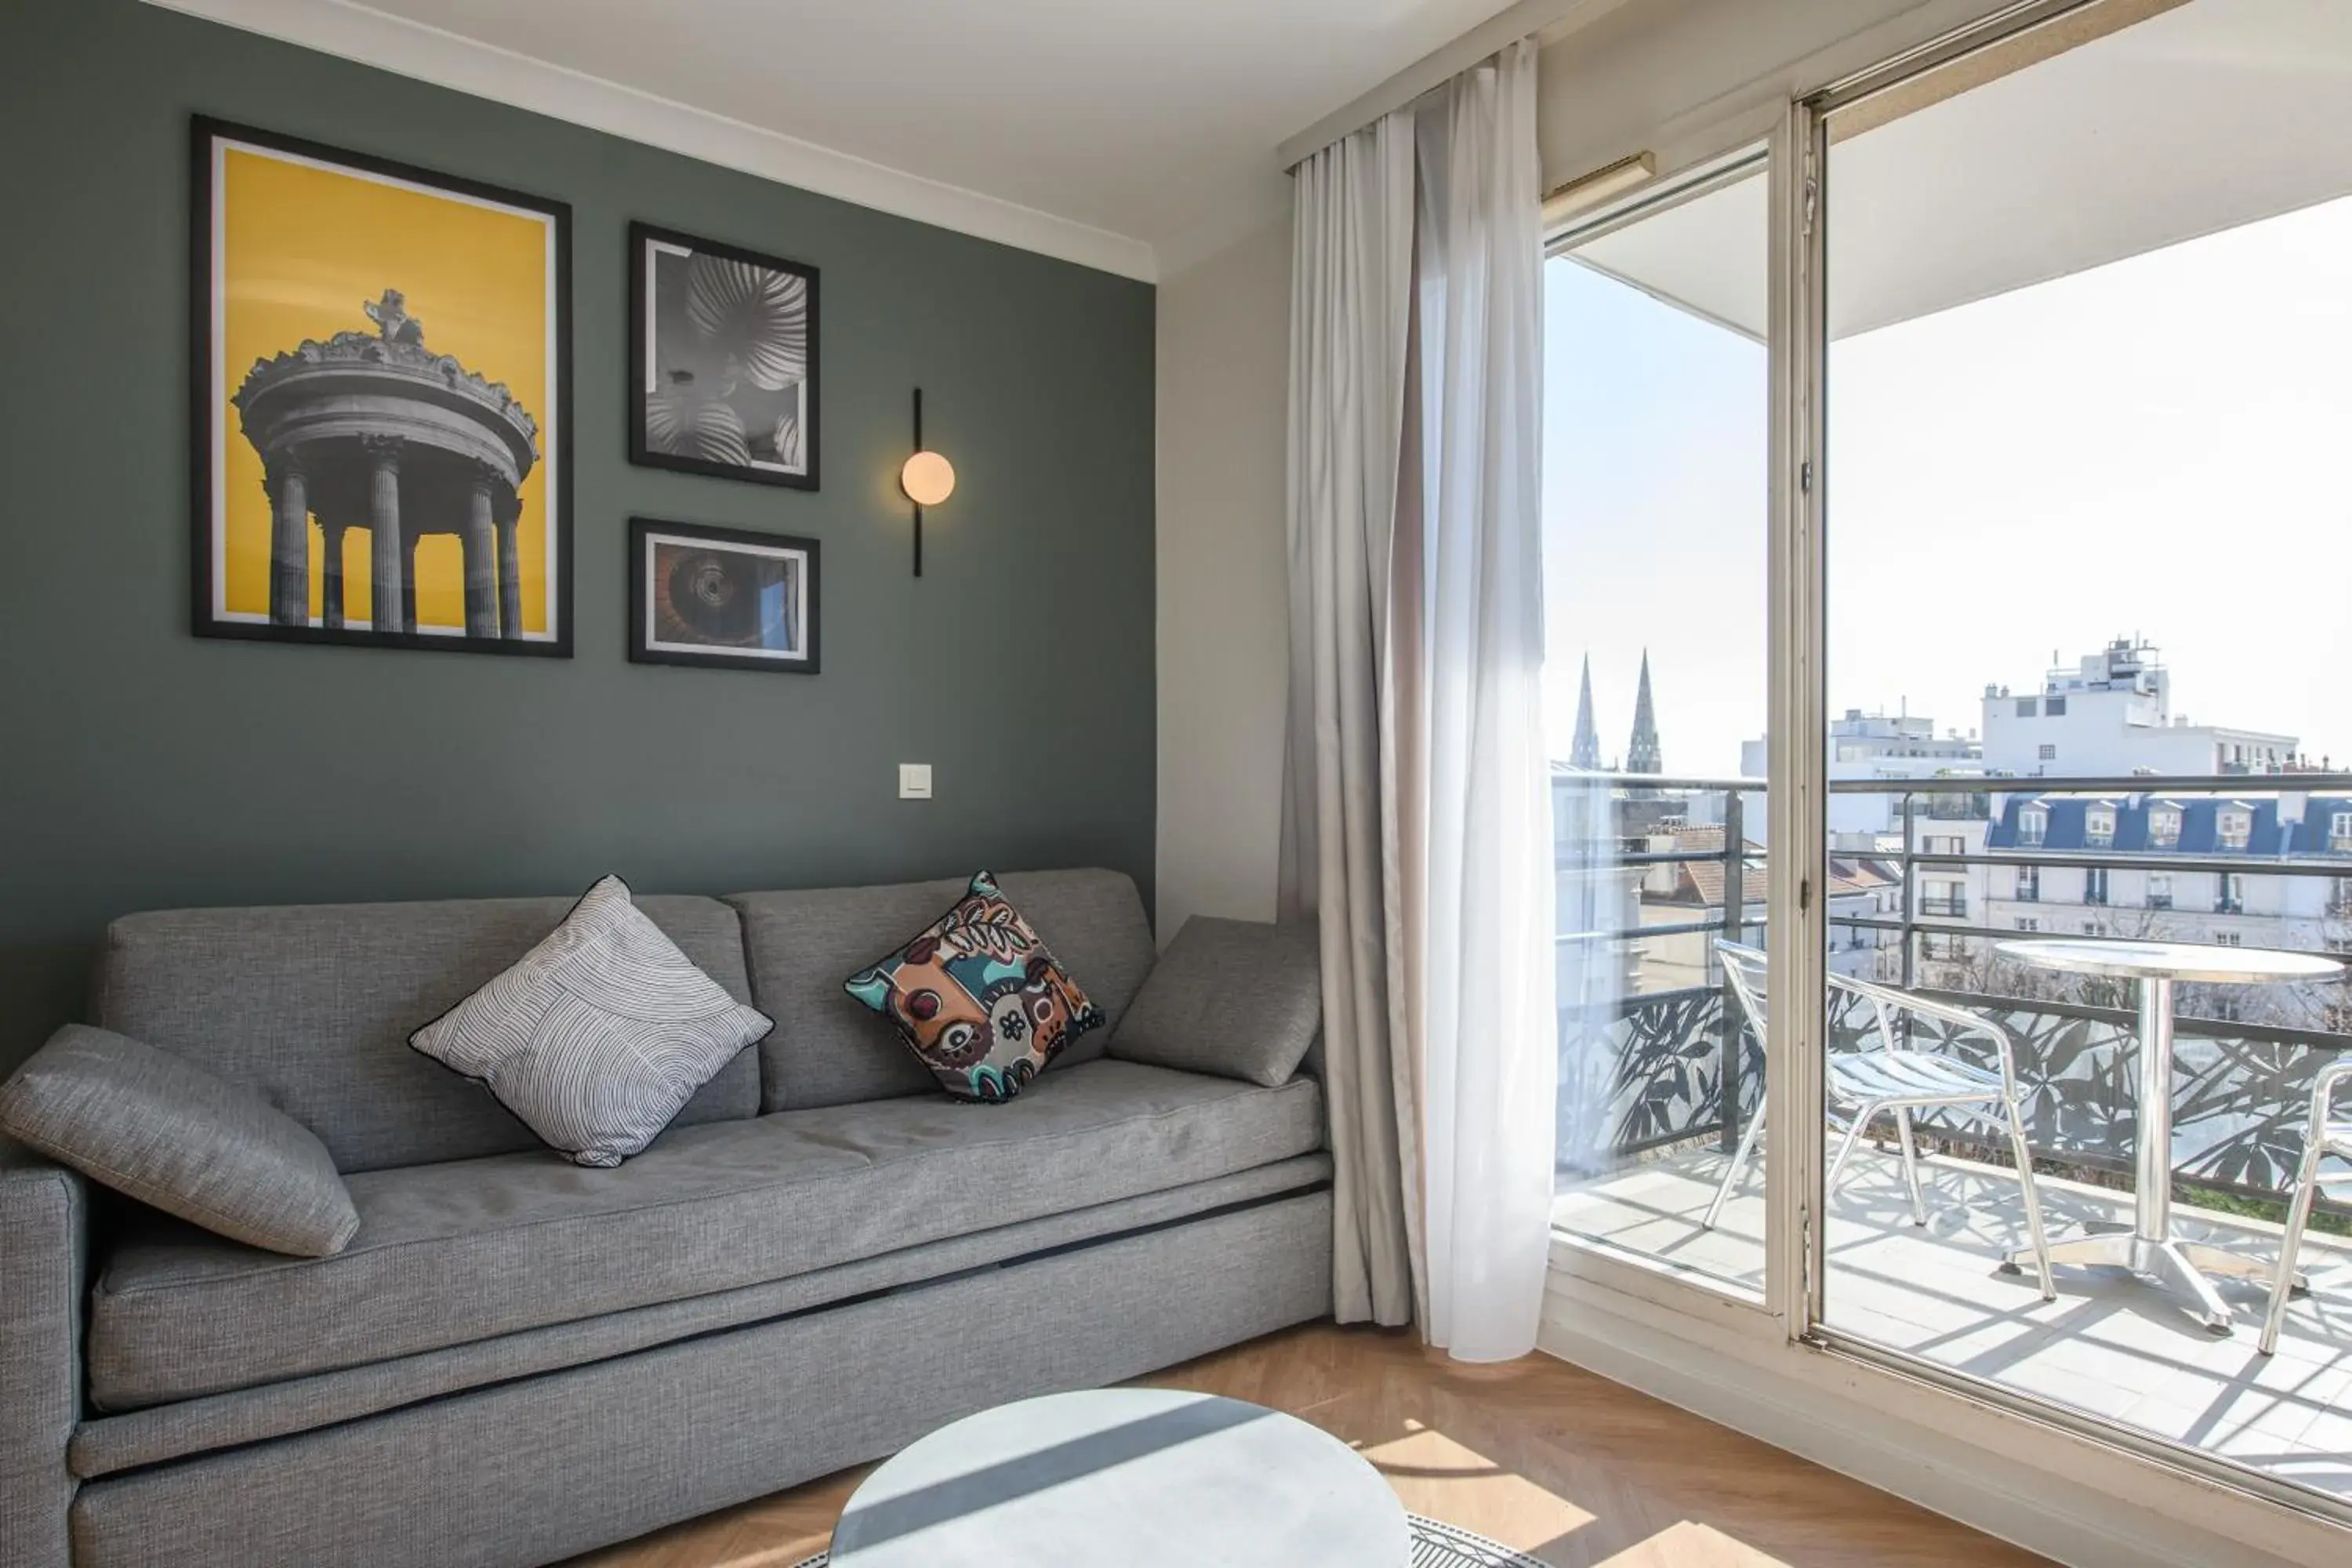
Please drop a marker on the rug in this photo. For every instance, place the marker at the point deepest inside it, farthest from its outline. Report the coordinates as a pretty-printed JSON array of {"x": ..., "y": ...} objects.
[{"x": 1435, "y": 1545}]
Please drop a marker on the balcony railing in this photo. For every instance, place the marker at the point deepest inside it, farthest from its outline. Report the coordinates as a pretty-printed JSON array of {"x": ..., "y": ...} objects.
[{"x": 1678, "y": 1066}]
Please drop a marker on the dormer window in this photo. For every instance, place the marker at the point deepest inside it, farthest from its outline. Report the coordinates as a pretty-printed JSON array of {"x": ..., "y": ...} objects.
[
  {"x": 2339, "y": 830},
  {"x": 2099, "y": 826},
  {"x": 2164, "y": 828},
  {"x": 2233, "y": 830},
  {"x": 2032, "y": 827}
]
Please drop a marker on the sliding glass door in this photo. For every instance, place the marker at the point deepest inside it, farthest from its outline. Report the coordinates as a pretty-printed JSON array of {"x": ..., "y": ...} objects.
[
  {"x": 2088, "y": 383},
  {"x": 1945, "y": 516}
]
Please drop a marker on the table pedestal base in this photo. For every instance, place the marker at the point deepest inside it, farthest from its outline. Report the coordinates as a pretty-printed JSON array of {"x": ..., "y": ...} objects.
[{"x": 2180, "y": 1267}]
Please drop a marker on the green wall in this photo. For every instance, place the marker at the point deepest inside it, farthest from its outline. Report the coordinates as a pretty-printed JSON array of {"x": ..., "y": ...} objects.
[{"x": 142, "y": 767}]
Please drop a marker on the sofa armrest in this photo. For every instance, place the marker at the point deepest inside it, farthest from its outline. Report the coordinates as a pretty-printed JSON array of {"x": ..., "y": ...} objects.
[
  {"x": 45, "y": 1261},
  {"x": 1236, "y": 998}
]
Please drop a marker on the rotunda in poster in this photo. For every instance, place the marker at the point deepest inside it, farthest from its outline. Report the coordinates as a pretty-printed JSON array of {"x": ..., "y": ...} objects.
[{"x": 375, "y": 431}]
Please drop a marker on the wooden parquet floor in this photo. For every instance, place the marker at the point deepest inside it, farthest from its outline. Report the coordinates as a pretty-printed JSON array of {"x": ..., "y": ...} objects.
[{"x": 1536, "y": 1453}]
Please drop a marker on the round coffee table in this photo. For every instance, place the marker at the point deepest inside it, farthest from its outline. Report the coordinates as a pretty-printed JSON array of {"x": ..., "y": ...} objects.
[{"x": 1146, "y": 1478}]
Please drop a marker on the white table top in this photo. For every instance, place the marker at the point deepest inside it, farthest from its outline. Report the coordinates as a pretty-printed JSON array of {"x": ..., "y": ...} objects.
[
  {"x": 2168, "y": 961},
  {"x": 1142, "y": 1477}
]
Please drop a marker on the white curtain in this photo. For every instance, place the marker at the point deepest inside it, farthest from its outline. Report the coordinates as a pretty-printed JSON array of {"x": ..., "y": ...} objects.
[
  {"x": 1419, "y": 819},
  {"x": 1350, "y": 278},
  {"x": 1490, "y": 1047}
]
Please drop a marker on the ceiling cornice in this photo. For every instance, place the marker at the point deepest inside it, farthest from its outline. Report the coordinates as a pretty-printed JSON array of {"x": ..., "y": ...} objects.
[{"x": 446, "y": 59}]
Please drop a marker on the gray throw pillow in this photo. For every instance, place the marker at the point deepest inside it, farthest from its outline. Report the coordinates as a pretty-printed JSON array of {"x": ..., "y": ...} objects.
[
  {"x": 163, "y": 1129},
  {"x": 600, "y": 1034},
  {"x": 1236, "y": 998}
]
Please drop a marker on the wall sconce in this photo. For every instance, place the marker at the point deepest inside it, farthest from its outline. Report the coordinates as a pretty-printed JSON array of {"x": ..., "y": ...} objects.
[{"x": 926, "y": 477}]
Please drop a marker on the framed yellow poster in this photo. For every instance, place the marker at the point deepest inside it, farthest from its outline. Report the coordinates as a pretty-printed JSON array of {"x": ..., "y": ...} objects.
[{"x": 382, "y": 401}]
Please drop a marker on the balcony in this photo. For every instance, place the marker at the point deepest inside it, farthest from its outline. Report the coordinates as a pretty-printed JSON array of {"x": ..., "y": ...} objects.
[
  {"x": 1657, "y": 1086},
  {"x": 1937, "y": 1293}
]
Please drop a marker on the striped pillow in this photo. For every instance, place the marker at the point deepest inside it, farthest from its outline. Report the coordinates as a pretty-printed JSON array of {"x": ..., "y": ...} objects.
[{"x": 600, "y": 1034}]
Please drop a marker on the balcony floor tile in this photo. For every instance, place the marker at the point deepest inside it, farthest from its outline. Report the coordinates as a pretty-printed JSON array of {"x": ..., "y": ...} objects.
[{"x": 2110, "y": 1343}]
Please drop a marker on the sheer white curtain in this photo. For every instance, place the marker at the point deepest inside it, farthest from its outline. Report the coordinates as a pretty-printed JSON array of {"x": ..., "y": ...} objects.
[
  {"x": 1489, "y": 1050},
  {"x": 1351, "y": 279},
  {"x": 1419, "y": 819}
]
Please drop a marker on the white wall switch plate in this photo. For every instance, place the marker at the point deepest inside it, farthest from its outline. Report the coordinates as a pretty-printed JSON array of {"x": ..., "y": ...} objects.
[{"x": 914, "y": 780}]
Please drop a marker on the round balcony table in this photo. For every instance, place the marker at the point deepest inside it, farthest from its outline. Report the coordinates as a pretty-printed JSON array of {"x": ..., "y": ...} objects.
[
  {"x": 1144, "y": 1478},
  {"x": 2146, "y": 1246}
]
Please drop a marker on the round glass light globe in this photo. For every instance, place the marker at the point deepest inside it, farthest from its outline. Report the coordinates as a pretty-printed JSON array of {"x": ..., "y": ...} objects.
[{"x": 927, "y": 479}]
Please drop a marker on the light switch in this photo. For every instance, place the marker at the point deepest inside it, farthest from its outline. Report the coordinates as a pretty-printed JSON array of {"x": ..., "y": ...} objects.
[{"x": 914, "y": 780}]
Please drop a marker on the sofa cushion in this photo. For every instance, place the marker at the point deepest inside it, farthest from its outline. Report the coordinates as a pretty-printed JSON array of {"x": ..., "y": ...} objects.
[
  {"x": 160, "y": 1432},
  {"x": 314, "y": 1004},
  {"x": 454, "y": 1253},
  {"x": 829, "y": 1050},
  {"x": 163, "y": 1130},
  {"x": 1237, "y": 998},
  {"x": 979, "y": 997},
  {"x": 599, "y": 1035}
]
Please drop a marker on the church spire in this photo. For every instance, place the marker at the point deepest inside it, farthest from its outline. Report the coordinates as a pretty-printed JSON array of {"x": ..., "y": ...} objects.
[
  {"x": 1584, "y": 751},
  {"x": 1642, "y": 755}
]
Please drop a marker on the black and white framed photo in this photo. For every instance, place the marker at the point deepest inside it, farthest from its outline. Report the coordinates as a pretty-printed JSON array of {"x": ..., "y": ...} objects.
[
  {"x": 723, "y": 360},
  {"x": 724, "y": 598}
]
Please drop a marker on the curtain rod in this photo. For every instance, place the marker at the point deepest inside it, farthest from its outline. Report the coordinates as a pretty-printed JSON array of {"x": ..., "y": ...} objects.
[{"x": 1543, "y": 20}]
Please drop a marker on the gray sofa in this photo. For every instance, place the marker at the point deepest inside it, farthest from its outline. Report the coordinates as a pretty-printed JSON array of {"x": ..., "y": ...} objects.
[{"x": 517, "y": 1358}]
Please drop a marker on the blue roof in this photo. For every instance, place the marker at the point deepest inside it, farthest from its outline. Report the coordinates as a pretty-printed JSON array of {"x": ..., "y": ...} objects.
[
  {"x": 2311, "y": 835},
  {"x": 2199, "y": 833}
]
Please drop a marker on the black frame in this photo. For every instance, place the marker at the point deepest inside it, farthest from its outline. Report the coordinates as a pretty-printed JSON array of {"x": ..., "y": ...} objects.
[
  {"x": 641, "y": 653},
  {"x": 205, "y": 131},
  {"x": 641, "y": 234}
]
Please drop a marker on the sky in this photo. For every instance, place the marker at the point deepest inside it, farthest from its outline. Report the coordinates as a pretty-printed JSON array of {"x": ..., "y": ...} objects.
[{"x": 2160, "y": 448}]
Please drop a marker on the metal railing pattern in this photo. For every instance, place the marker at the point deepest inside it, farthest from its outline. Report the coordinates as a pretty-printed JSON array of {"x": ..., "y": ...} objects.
[{"x": 1681, "y": 1067}]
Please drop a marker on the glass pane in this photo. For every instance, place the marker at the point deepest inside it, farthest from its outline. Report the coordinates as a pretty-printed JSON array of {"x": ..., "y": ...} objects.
[
  {"x": 2088, "y": 479},
  {"x": 1655, "y": 516}
]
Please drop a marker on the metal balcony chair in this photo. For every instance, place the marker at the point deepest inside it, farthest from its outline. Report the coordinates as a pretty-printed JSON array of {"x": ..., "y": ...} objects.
[
  {"x": 2327, "y": 1134},
  {"x": 1899, "y": 1079}
]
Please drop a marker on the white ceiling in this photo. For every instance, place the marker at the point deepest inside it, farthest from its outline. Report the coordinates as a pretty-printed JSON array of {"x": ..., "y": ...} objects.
[
  {"x": 2198, "y": 120},
  {"x": 1150, "y": 123}
]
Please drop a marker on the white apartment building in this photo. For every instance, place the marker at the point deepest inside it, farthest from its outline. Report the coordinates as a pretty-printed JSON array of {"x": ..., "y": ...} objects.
[
  {"x": 2110, "y": 716},
  {"x": 1875, "y": 746}
]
